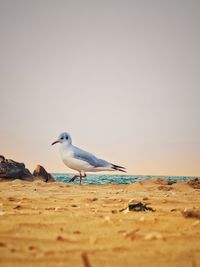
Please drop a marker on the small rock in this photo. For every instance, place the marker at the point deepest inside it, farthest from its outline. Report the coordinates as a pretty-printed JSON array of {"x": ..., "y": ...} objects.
[
  {"x": 172, "y": 210},
  {"x": 107, "y": 219},
  {"x": 17, "y": 207},
  {"x": 164, "y": 188},
  {"x": 139, "y": 207},
  {"x": 194, "y": 183},
  {"x": 60, "y": 238},
  {"x": 114, "y": 211},
  {"x": 11, "y": 169},
  {"x": 31, "y": 247},
  {"x": 153, "y": 236},
  {"x": 125, "y": 210},
  {"x": 41, "y": 172},
  {"x": 2, "y": 158},
  {"x": 58, "y": 208},
  {"x": 162, "y": 181},
  {"x": 191, "y": 213},
  {"x": 141, "y": 219}
]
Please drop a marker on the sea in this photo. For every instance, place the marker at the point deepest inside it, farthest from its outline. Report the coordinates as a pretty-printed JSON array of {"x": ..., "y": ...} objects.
[{"x": 99, "y": 179}]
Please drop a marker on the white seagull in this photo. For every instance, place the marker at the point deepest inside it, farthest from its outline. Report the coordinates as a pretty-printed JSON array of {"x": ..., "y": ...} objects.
[{"x": 80, "y": 160}]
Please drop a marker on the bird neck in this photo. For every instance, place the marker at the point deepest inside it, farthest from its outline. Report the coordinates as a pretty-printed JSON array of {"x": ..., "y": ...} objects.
[
  {"x": 66, "y": 145},
  {"x": 65, "y": 149}
]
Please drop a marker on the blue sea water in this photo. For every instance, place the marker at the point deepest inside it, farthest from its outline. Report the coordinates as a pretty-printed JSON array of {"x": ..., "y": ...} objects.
[{"x": 99, "y": 179}]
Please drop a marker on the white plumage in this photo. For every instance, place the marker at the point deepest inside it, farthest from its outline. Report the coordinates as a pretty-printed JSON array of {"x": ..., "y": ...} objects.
[{"x": 80, "y": 160}]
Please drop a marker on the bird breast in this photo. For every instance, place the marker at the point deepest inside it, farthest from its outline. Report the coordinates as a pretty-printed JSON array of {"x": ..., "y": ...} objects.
[{"x": 68, "y": 159}]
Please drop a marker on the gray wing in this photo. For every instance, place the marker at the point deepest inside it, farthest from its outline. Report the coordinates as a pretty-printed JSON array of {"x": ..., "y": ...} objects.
[{"x": 89, "y": 158}]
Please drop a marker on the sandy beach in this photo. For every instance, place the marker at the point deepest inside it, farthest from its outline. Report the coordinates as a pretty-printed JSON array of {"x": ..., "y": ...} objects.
[{"x": 56, "y": 224}]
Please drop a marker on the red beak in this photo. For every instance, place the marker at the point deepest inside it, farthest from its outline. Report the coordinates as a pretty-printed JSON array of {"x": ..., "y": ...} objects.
[{"x": 55, "y": 142}]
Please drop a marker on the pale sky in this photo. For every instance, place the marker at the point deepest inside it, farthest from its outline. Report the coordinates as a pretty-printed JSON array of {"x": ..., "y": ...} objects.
[{"x": 122, "y": 77}]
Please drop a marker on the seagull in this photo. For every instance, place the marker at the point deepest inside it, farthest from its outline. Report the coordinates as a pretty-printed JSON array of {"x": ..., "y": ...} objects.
[{"x": 80, "y": 160}]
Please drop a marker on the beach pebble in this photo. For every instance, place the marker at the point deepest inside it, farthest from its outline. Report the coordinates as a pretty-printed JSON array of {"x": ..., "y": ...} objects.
[
  {"x": 107, "y": 219},
  {"x": 126, "y": 211},
  {"x": 114, "y": 211},
  {"x": 172, "y": 210},
  {"x": 49, "y": 208},
  {"x": 94, "y": 199},
  {"x": 58, "y": 208},
  {"x": 191, "y": 213},
  {"x": 11, "y": 199},
  {"x": 141, "y": 219},
  {"x": 153, "y": 236},
  {"x": 60, "y": 238},
  {"x": 164, "y": 188},
  {"x": 31, "y": 247},
  {"x": 17, "y": 207}
]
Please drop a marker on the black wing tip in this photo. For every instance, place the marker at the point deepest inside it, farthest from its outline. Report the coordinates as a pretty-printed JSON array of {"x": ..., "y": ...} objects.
[{"x": 118, "y": 168}]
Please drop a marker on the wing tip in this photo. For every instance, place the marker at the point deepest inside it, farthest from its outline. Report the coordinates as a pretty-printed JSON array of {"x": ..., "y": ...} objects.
[{"x": 118, "y": 168}]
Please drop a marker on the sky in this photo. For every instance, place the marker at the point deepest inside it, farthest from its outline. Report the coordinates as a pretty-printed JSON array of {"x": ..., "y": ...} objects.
[{"x": 122, "y": 77}]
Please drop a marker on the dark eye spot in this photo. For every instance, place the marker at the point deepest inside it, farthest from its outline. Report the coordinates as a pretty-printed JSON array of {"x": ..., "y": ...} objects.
[
  {"x": 66, "y": 137},
  {"x": 62, "y": 138}
]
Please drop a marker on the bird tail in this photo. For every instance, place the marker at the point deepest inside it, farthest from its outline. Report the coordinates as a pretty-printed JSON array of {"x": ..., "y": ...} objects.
[{"x": 118, "y": 168}]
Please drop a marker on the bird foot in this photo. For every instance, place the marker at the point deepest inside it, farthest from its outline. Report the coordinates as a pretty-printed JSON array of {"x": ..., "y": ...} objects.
[
  {"x": 77, "y": 176},
  {"x": 73, "y": 178}
]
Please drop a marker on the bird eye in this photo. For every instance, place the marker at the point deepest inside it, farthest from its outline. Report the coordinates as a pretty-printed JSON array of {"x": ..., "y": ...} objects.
[
  {"x": 66, "y": 137},
  {"x": 62, "y": 138}
]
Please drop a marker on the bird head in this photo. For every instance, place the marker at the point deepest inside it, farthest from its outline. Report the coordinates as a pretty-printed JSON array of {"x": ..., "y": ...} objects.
[{"x": 63, "y": 138}]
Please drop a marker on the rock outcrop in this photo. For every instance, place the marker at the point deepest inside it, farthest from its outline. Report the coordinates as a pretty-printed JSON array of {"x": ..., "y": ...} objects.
[
  {"x": 14, "y": 170},
  {"x": 194, "y": 183},
  {"x": 40, "y": 172},
  {"x": 2, "y": 158},
  {"x": 10, "y": 169}
]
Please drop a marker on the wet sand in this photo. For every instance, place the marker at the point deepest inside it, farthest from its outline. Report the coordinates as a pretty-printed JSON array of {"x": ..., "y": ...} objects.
[{"x": 55, "y": 224}]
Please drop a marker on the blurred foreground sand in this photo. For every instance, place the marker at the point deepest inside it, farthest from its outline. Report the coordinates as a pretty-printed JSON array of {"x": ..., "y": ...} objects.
[{"x": 55, "y": 224}]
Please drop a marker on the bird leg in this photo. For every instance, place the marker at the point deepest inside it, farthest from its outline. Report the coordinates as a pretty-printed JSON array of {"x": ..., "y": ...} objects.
[
  {"x": 73, "y": 178},
  {"x": 78, "y": 176},
  {"x": 81, "y": 177}
]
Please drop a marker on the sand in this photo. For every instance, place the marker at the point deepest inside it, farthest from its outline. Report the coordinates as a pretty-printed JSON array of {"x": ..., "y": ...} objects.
[{"x": 55, "y": 224}]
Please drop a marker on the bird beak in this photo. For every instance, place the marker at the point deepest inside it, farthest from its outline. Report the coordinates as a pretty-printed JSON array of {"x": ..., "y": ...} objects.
[{"x": 55, "y": 142}]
